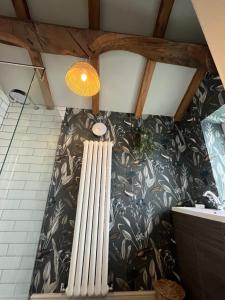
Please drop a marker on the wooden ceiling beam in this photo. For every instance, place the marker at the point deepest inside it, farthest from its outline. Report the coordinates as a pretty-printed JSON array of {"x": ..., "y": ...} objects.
[
  {"x": 95, "y": 99},
  {"x": 94, "y": 14},
  {"x": 146, "y": 80},
  {"x": 40, "y": 37},
  {"x": 192, "y": 88},
  {"x": 94, "y": 23},
  {"x": 159, "y": 31},
  {"x": 160, "y": 50},
  {"x": 163, "y": 18},
  {"x": 21, "y": 8},
  {"x": 22, "y": 12}
]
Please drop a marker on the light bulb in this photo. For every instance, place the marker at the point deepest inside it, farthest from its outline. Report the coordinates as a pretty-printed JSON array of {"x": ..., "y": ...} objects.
[{"x": 83, "y": 77}]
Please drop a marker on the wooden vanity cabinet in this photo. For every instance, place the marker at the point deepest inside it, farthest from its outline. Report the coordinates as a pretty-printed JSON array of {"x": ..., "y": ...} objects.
[{"x": 200, "y": 246}]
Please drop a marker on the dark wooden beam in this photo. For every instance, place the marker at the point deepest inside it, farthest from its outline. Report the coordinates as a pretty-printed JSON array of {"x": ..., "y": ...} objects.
[
  {"x": 21, "y": 8},
  {"x": 163, "y": 18},
  {"x": 19, "y": 33},
  {"x": 22, "y": 12},
  {"x": 42, "y": 79},
  {"x": 160, "y": 50},
  {"x": 94, "y": 23},
  {"x": 41, "y": 37},
  {"x": 95, "y": 99},
  {"x": 146, "y": 80},
  {"x": 187, "y": 99},
  {"x": 159, "y": 31},
  {"x": 94, "y": 14}
]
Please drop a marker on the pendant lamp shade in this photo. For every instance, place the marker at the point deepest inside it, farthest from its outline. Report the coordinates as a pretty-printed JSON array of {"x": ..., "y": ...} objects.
[{"x": 83, "y": 79}]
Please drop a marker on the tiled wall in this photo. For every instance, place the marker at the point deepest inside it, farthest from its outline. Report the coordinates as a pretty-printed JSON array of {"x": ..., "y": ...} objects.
[
  {"x": 4, "y": 104},
  {"x": 24, "y": 185}
]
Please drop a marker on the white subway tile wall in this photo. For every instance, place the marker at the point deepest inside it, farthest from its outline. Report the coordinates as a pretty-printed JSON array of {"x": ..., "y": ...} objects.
[{"x": 24, "y": 185}]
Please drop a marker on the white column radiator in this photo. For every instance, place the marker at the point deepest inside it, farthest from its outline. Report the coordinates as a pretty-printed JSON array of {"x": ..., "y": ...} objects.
[{"x": 89, "y": 258}]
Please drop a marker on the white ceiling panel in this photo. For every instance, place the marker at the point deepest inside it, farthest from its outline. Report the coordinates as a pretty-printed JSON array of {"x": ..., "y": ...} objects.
[
  {"x": 14, "y": 54},
  {"x": 6, "y": 8},
  {"x": 61, "y": 12},
  {"x": 18, "y": 77},
  {"x": 183, "y": 23},
  {"x": 129, "y": 16},
  {"x": 120, "y": 74},
  {"x": 168, "y": 86}
]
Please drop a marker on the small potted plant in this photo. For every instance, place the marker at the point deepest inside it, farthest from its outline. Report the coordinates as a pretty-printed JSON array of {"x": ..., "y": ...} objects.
[{"x": 143, "y": 141}]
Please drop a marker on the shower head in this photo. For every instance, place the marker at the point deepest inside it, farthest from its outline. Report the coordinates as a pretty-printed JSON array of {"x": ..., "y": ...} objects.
[
  {"x": 21, "y": 97},
  {"x": 18, "y": 96}
]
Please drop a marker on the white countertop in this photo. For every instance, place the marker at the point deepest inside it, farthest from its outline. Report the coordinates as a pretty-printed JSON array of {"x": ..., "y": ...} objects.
[{"x": 211, "y": 214}]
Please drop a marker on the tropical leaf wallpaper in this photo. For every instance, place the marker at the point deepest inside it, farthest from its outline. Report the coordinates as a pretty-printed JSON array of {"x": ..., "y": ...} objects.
[
  {"x": 144, "y": 188},
  {"x": 215, "y": 142}
]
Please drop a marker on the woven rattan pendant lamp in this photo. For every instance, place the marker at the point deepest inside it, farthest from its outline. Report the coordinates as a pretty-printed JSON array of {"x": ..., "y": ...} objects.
[{"x": 83, "y": 79}]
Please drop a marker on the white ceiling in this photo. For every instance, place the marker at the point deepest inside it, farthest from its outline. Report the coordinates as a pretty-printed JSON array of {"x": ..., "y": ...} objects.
[
  {"x": 183, "y": 24},
  {"x": 169, "y": 83},
  {"x": 120, "y": 71},
  {"x": 129, "y": 16}
]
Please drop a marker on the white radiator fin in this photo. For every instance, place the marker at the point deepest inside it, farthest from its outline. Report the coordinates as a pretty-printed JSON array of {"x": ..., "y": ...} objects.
[{"x": 89, "y": 259}]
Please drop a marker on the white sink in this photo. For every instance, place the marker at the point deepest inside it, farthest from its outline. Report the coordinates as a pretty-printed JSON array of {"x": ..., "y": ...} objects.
[{"x": 211, "y": 214}]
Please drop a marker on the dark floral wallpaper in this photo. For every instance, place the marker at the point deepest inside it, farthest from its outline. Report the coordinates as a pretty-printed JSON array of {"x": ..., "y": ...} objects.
[
  {"x": 178, "y": 172},
  {"x": 215, "y": 141},
  {"x": 192, "y": 147}
]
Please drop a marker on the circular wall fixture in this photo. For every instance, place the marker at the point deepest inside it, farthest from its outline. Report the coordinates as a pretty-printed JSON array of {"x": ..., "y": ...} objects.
[{"x": 99, "y": 129}]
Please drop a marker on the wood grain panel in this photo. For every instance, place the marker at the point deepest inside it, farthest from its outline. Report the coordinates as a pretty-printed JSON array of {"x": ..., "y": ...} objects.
[{"x": 200, "y": 246}]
